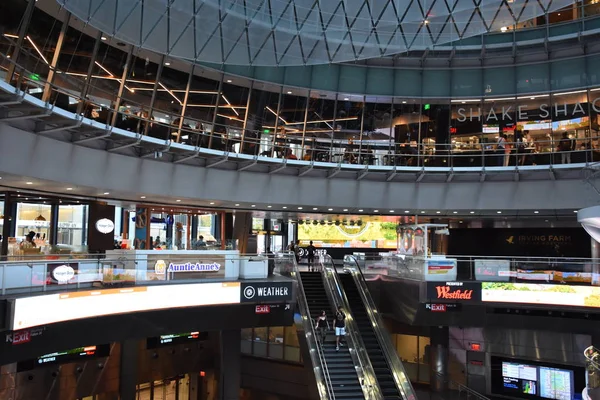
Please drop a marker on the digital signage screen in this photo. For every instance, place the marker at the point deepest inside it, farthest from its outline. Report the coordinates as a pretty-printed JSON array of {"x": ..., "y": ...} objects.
[
  {"x": 62, "y": 357},
  {"x": 537, "y": 293},
  {"x": 48, "y": 309},
  {"x": 529, "y": 379},
  {"x": 176, "y": 338},
  {"x": 367, "y": 234}
]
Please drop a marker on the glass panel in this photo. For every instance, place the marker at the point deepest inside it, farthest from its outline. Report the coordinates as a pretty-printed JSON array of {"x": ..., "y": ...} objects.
[
  {"x": 260, "y": 342},
  {"x": 292, "y": 354},
  {"x": 571, "y": 127},
  {"x": 258, "y": 137},
  {"x": 347, "y": 125},
  {"x": 406, "y": 346},
  {"x": 72, "y": 220},
  {"x": 465, "y": 132},
  {"x": 291, "y": 337}
]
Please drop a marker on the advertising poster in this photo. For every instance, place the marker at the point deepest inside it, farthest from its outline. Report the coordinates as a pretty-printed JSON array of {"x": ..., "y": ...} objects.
[
  {"x": 534, "y": 293},
  {"x": 441, "y": 267},
  {"x": 492, "y": 270},
  {"x": 373, "y": 235},
  {"x": 62, "y": 273}
]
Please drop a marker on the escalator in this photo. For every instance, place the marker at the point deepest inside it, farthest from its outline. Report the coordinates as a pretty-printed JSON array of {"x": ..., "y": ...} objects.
[
  {"x": 340, "y": 365},
  {"x": 389, "y": 371},
  {"x": 383, "y": 372}
]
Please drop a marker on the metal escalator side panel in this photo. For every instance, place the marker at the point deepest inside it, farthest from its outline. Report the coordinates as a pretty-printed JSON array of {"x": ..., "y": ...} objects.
[
  {"x": 401, "y": 379},
  {"x": 304, "y": 324},
  {"x": 362, "y": 364}
]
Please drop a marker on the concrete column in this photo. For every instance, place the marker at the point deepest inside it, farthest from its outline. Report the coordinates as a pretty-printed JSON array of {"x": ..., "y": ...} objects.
[
  {"x": 129, "y": 371},
  {"x": 241, "y": 230},
  {"x": 230, "y": 374},
  {"x": 596, "y": 262},
  {"x": 439, "y": 358}
]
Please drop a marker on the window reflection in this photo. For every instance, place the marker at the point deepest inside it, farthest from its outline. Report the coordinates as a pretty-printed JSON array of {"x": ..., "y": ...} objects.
[
  {"x": 272, "y": 342},
  {"x": 414, "y": 352}
]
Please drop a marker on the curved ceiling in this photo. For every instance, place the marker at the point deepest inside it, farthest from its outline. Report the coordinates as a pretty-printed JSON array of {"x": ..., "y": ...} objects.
[{"x": 299, "y": 32}]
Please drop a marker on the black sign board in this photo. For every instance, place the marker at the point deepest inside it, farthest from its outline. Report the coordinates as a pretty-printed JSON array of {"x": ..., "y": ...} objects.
[
  {"x": 261, "y": 292},
  {"x": 62, "y": 357},
  {"x": 454, "y": 292},
  {"x": 175, "y": 338},
  {"x": 101, "y": 227}
]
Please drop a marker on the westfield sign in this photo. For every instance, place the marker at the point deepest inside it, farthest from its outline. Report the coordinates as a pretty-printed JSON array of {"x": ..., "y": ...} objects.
[{"x": 454, "y": 291}]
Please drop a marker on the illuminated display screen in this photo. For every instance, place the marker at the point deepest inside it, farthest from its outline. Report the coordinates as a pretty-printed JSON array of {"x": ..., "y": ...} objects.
[
  {"x": 532, "y": 293},
  {"x": 376, "y": 235},
  {"x": 176, "y": 338},
  {"x": 43, "y": 310},
  {"x": 527, "y": 379},
  {"x": 66, "y": 356}
]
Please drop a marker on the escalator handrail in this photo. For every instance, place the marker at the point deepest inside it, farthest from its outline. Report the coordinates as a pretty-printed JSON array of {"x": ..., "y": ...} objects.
[
  {"x": 365, "y": 369},
  {"x": 316, "y": 353},
  {"x": 398, "y": 371},
  {"x": 589, "y": 356}
]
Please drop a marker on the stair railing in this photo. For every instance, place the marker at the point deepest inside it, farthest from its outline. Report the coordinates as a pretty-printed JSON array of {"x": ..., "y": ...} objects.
[
  {"x": 316, "y": 353},
  {"x": 362, "y": 362},
  {"x": 389, "y": 350}
]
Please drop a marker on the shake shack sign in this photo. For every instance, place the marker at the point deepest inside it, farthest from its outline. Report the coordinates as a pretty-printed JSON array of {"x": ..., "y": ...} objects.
[
  {"x": 454, "y": 291},
  {"x": 261, "y": 292}
]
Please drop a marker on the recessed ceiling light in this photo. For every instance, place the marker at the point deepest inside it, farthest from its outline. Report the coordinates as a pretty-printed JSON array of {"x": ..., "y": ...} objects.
[
  {"x": 346, "y": 99},
  {"x": 455, "y": 212},
  {"x": 498, "y": 212},
  {"x": 69, "y": 188},
  {"x": 237, "y": 205},
  {"x": 404, "y": 102},
  {"x": 345, "y": 209},
  {"x": 269, "y": 206},
  {"x": 438, "y": 212},
  {"x": 575, "y": 211},
  {"x": 143, "y": 197},
  {"x": 315, "y": 208},
  {"x": 375, "y": 210},
  {"x": 299, "y": 208},
  {"x": 103, "y": 38},
  {"x": 105, "y": 193},
  {"x": 330, "y": 209},
  {"x": 422, "y": 212},
  {"x": 212, "y": 203},
  {"x": 284, "y": 207},
  {"x": 167, "y": 63},
  {"x": 29, "y": 183},
  {"x": 178, "y": 200},
  {"x": 289, "y": 92},
  {"x": 391, "y": 211},
  {"x": 229, "y": 81},
  {"x": 361, "y": 210},
  {"x": 536, "y": 212},
  {"x": 253, "y": 205},
  {"x": 472, "y": 212}
]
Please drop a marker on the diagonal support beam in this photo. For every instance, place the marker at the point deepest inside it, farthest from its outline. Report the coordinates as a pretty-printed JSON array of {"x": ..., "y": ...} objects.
[
  {"x": 218, "y": 162},
  {"x": 551, "y": 173},
  {"x": 164, "y": 149},
  {"x": 306, "y": 170},
  {"x": 60, "y": 128},
  {"x": 362, "y": 174},
  {"x": 420, "y": 177},
  {"x": 248, "y": 165},
  {"x": 92, "y": 138},
  {"x": 391, "y": 175},
  {"x": 280, "y": 168},
  {"x": 24, "y": 117},
  {"x": 450, "y": 176},
  {"x": 190, "y": 157},
  {"x": 125, "y": 146},
  {"x": 334, "y": 172}
]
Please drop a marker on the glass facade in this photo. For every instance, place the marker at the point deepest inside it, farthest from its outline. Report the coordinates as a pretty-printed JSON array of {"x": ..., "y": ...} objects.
[
  {"x": 414, "y": 354},
  {"x": 530, "y": 114},
  {"x": 278, "y": 342}
]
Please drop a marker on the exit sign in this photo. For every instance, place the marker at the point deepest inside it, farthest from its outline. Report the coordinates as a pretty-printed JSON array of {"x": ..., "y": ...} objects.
[{"x": 263, "y": 309}]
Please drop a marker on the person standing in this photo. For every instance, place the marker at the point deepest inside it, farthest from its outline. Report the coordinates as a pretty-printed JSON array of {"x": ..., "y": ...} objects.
[
  {"x": 322, "y": 327},
  {"x": 565, "y": 146},
  {"x": 297, "y": 251},
  {"x": 340, "y": 328},
  {"x": 310, "y": 256}
]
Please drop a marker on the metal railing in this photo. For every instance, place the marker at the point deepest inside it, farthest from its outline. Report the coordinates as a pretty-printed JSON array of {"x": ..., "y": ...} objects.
[
  {"x": 288, "y": 267},
  {"x": 37, "y": 274},
  {"x": 398, "y": 371},
  {"x": 135, "y": 124},
  {"x": 337, "y": 297},
  {"x": 458, "y": 388}
]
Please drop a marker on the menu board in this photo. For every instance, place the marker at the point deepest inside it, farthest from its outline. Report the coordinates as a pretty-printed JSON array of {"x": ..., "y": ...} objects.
[{"x": 525, "y": 379}]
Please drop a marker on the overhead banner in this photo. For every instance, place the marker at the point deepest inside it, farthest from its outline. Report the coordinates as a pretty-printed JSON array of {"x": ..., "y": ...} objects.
[
  {"x": 266, "y": 292},
  {"x": 453, "y": 292}
]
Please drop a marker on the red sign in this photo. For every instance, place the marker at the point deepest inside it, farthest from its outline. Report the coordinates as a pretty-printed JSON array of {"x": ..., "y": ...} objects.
[
  {"x": 438, "y": 308},
  {"x": 455, "y": 291},
  {"x": 19, "y": 337},
  {"x": 263, "y": 309},
  {"x": 475, "y": 346}
]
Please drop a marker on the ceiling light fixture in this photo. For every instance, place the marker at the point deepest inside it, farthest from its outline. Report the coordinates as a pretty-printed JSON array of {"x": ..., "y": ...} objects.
[
  {"x": 269, "y": 206},
  {"x": 361, "y": 210},
  {"x": 472, "y": 212},
  {"x": 299, "y": 208},
  {"x": 29, "y": 183},
  {"x": 229, "y": 81},
  {"x": 391, "y": 211},
  {"x": 498, "y": 212},
  {"x": 69, "y": 188},
  {"x": 178, "y": 200},
  {"x": 289, "y": 92},
  {"x": 345, "y": 209},
  {"x": 103, "y": 38},
  {"x": 106, "y": 193},
  {"x": 253, "y": 205},
  {"x": 536, "y": 212},
  {"x": 406, "y": 211},
  {"x": 142, "y": 197},
  {"x": 438, "y": 212},
  {"x": 315, "y": 208},
  {"x": 237, "y": 205},
  {"x": 212, "y": 203},
  {"x": 375, "y": 210},
  {"x": 330, "y": 209},
  {"x": 284, "y": 207}
]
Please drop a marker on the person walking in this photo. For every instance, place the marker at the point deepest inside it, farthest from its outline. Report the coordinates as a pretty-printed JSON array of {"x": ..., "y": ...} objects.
[
  {"x": 322, "y": 327},
  {"x": 340, "y": 328},
  {"x": 310, "y": 256}
]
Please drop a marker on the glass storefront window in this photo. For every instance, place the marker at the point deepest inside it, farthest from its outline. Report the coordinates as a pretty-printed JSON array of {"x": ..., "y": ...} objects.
[
  {"x": 414, "y": 354},
  {"x": 72, "y": 224},
  {"x": 273, "y": 342}
]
